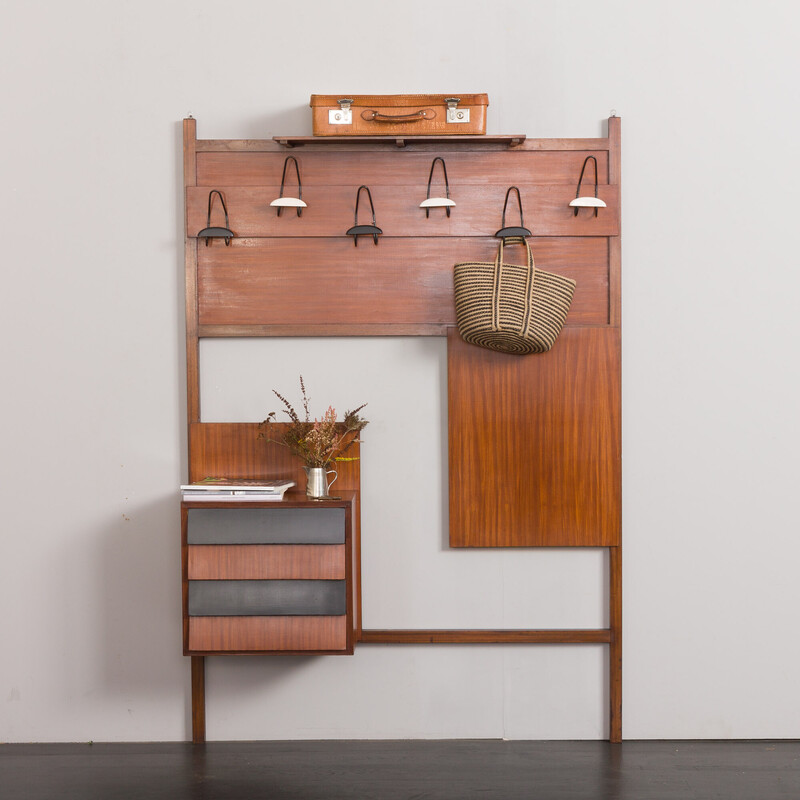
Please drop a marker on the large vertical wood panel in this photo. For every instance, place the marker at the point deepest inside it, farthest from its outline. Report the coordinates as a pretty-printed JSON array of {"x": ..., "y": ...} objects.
[{"x": 535, "y": 443}]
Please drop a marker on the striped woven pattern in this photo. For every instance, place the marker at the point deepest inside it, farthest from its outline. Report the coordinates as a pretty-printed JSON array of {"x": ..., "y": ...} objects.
[{"x": 508, "y": 307}]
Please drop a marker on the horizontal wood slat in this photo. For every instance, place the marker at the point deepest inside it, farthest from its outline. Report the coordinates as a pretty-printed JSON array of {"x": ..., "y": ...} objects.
[
  {"x": 345, "y": 329},
  {"x": 600, "y": 636},
  {"x": 266, "y": 562},
  {"x": 395, "y": 166},
  {"x": 401, "y": 281},
  {"x": 267, "y": 634},
  {"x": 537, "y": 440},
  {"x": 478, "y": 210},
  {"x": 476, "y": 145}
]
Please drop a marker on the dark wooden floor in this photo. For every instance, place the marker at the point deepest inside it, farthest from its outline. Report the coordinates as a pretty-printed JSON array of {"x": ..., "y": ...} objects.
[{"x": 411, "y": 770}]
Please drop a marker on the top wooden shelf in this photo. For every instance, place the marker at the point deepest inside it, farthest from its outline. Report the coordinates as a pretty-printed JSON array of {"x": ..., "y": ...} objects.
[{"x": 400, "y": 141}]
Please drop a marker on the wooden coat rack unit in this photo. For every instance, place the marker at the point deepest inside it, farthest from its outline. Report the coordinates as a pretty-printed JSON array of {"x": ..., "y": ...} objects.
[{"x": 534, "y": 441}]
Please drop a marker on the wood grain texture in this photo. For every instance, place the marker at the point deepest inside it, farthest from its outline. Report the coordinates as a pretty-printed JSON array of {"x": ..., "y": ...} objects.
[
  {"x": 534, "y": 443},
  {"x": 413, "y": 144},
  {"x": 390, "y": 165},
  {"x": 342, "y": 329},
  {"x": 478, "y": 210},
  {"x": 190, "y": 273},
  {"x": 198, "y": 699},
  {"x": 399, "y": 282},
  {"x": 266, "y": 562},
  {"x": 267, "y": 634},
  {"x": 547, "y": 636},
  {"x": 615, "y": 242}
]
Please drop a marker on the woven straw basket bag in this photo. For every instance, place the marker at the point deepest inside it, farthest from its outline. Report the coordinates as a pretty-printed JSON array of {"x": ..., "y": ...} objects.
[{"x": 508, "y": 307}]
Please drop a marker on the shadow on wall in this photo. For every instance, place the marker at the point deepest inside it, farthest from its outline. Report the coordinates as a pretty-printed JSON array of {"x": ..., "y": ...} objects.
[
  {"x": 139, "y": 595},
  {"x": 138, "y": 599}
]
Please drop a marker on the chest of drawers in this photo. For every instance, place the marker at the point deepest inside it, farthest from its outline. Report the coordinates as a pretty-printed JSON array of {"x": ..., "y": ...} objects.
[{"x": 268, "y": 577}]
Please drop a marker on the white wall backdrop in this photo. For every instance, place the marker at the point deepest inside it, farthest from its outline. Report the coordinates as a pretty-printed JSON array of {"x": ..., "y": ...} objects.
[{"x": 92, "y": 400}]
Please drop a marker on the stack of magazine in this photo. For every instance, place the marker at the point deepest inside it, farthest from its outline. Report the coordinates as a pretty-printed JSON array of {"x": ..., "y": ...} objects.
[{"x": 226, "y": 489}]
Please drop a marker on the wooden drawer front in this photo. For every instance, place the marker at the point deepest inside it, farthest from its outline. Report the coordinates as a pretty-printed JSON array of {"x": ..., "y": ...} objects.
[
  {"x": 256, "y": 634},
  {"x": 268, "y": 561},
  {"x": 266, "y": 526},
  {"x": 267, "y": 598}
]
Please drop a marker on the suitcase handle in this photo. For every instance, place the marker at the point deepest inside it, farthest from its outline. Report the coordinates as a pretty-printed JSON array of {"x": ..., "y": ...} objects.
[{"x": 370, "y": 115}]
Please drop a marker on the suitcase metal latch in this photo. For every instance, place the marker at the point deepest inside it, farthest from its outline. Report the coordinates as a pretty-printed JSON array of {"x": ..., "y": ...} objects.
[
  {"x": 344, "y": 115},
  {"x": 454, "y": 113}
]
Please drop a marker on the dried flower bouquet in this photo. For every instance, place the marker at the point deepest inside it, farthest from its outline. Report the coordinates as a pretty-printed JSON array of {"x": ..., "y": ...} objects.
[{"x": 317, "y": 442}]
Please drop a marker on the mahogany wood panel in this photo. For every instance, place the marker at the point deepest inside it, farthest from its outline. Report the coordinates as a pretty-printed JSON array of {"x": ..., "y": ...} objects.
[
  {"x": 547, "y": 636},
  {"x": 534, "y": 443},
  {"x": 267, "y": 562},
  {"x": 478, "y": 210},
  {"x": 354, "y": 167},
  {"x": 401, "y": 281},
  {"x": 267, "y": 634}
]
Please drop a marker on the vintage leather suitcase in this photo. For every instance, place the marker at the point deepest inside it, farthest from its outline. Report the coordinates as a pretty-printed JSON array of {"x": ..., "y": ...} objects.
[{"x": 398, "y": 114}]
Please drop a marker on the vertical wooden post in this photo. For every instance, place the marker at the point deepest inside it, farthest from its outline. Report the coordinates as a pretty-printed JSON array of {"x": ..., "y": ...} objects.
[
  {"x": 615, "y": 242},
  {"x": 615, "y": 559},
  {"x": 615, "y": 648},
  {"x": 190, "y": 263},
  {"x": 198, "y": 699}
]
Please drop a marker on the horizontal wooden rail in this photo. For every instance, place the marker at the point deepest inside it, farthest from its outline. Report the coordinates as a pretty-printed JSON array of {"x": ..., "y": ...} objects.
[
  {"x": 304, "y": 329},
  {"x": 599, "y": 636},
  {"x": 508, "y": 141}
]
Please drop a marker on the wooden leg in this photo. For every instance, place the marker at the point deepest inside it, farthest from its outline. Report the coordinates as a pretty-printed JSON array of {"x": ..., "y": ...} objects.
[
  {"x": 615, "y": 648},
  {"x": 198, "y": 699}
]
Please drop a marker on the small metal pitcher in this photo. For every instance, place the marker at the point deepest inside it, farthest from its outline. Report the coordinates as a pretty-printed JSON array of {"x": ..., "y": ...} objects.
[{"x": 317, "y": 485}]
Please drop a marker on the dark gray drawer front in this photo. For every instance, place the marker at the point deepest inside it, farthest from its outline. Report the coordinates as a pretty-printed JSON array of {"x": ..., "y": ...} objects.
[
  {"x": 266, "y": 526},
  {"x": 266, "y": 598}
]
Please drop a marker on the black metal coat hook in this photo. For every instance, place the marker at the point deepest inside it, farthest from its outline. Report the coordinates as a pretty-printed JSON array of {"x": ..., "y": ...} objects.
[
  {"x": 438, "y": 202},
  {"x": 513, "y": 230},
  {"x": 209, "y": 232},
  {"x": 361, "y": 230},
  {"x": 296, "y": 203},
  {"x": 587, "y": 202}
]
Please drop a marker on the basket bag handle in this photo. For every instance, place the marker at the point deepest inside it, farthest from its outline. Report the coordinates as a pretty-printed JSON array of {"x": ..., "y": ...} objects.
[{"x": 497, "y": 287}]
